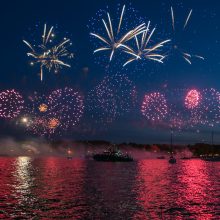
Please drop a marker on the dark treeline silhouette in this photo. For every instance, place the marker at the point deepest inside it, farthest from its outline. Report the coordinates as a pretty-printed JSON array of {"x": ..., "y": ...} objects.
[
  {"x": 204, "y": 149},
  {"x": 197, "y": 149}
]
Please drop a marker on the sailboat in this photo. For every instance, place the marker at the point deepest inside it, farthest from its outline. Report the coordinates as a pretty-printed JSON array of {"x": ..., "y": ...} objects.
[{"x": 172, "y": 159}]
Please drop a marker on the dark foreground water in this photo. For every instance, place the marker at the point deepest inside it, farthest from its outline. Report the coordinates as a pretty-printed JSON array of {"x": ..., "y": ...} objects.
[{"x": 58, "y": 188}]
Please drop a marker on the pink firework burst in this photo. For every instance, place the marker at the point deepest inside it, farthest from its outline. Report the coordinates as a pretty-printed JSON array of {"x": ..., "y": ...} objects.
[
  {"x": 210, "y": 108},
  {"x": 11, "y": 103},
  {"x": 65, "y": 106},
  {"x": 114, "y": 97},
  {"x": 154, "y": 106},
  {"x": 192, "y": 99}
]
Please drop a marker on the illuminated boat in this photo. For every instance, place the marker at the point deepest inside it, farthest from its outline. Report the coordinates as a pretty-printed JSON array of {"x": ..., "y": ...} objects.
[
  {"x": 112, "y": 155},
  {"x": 213, "y": 158}
]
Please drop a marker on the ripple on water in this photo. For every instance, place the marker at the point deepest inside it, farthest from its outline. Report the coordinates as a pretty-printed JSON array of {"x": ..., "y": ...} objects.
[{"x": 79, "y": 189}]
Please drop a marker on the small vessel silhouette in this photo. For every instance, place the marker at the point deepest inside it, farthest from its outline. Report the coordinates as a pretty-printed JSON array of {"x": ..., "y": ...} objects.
[
  {"x": 112, "y": 155},
  {"x": 161, "y": 157},
  {"x": 172, "y": 159},
  {"x": 213, "y": 158}
]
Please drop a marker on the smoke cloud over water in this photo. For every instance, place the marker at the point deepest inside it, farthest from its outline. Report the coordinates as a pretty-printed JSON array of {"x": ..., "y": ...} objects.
[{"x": 80, "y": 150}]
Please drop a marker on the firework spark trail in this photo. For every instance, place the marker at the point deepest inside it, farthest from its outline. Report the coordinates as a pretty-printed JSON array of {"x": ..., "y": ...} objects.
[
  {"x": 122, "y": 13},
  {"x": 185, "y": 55},
  {"x": 173, "y": 18},
  {"x": 112, "y": 43},
  {"x": 142, "y": 51},
  {"x": 11, "y": 104},
  {"x": 49, "y": 56},
  {"x": 187, "y": 19}
]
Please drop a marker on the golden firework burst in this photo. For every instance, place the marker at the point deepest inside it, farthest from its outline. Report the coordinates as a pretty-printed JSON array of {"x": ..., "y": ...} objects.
[{"x": 43, "y": 108}]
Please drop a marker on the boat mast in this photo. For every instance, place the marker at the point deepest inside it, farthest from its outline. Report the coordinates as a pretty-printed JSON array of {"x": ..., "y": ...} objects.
[
  {"x": 171, "y": 141},
  {"x": 212, "y": 138}
]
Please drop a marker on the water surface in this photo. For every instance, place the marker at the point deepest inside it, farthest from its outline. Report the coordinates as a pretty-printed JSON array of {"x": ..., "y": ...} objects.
[{"x": 57, "y": 188}]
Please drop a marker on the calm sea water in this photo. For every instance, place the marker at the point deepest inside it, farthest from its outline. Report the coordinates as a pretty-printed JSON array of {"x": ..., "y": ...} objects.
[{"x": 58, "y": 188}]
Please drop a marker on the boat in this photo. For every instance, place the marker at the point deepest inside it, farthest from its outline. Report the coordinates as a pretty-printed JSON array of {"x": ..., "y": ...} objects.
[
  {"x": 112, "y": 155},
  {"x": 161, "y": 157},
  {"x": 172, "y": 159},
  {"x": 213, "y": 158},
  {"x": 185, "y": 158}
]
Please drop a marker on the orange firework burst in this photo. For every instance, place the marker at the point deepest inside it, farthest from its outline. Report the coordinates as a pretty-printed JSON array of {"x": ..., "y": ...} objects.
[
  {"x": 42, "y": 108},
  {"x": 53, "y": 123}
]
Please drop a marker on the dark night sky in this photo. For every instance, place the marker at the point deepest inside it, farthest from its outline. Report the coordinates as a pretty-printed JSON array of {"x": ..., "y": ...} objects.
[{"x": 202, "y": 37}]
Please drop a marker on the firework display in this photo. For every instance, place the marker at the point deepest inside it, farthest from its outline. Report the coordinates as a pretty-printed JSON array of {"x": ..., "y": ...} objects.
[
  {"x": 35, "y": 116},
  {"x": 47, "y": 54},
  {"x": 154, "y": 106},
  {"x": 113, "y": 97},
  {"x": 143, "y": 50},
  {"x": 120, "y": 36},
  {"x": 113, "y": 42},
  {"x": 177, "y": 121},
  {"x": 192, "y": 99},
  {"x": 111, "y": 34},
  {"x": 210, "y": 107},
  {"x": 62, "y": 109},
  {"x": 47, "y": 115},
  {"x": 185, "y": 55},
  {"x": 66, "y": 107},
  {"x": 11, "y": 103}
]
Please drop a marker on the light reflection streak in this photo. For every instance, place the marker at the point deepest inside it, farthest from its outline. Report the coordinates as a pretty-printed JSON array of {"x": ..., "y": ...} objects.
[
  {"x": 24, "y": 181},
  {"x": 196, "y": 188}
]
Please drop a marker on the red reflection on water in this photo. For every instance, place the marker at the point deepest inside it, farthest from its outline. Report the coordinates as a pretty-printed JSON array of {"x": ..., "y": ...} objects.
[
  {"x": 61, "y": 187},
  {"x": 186, "y": 190},
  {"x": 111, "y": 186},
  {"x": 77, "y": 189},
  {"x": 151, "y": 187},
  {"x": 6, "y": 182},
  {"x": 197, "y": 189},
  {"x": 41, "y": 187}
]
